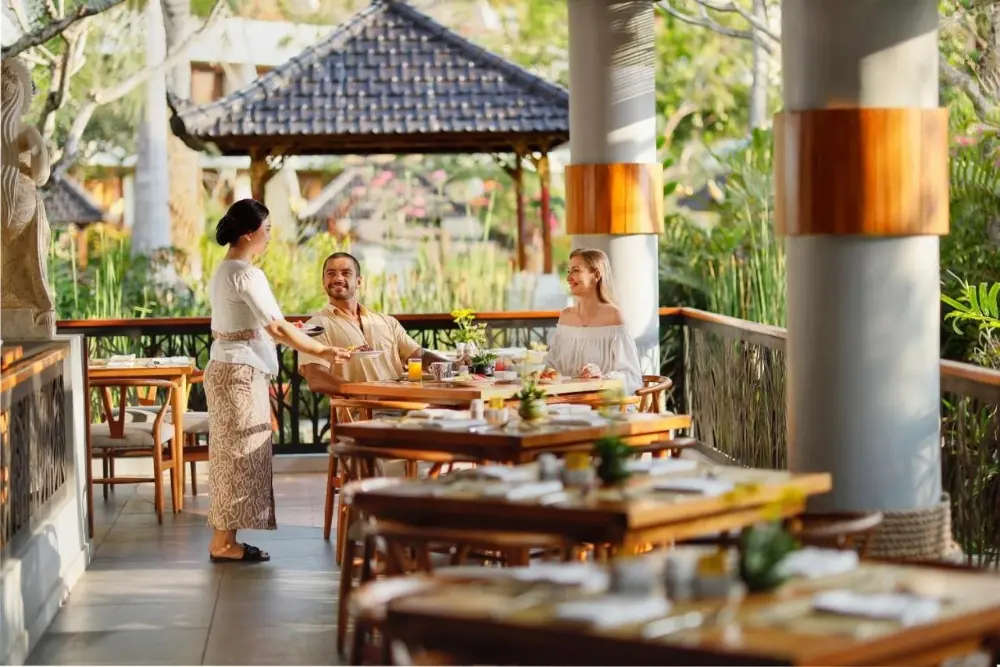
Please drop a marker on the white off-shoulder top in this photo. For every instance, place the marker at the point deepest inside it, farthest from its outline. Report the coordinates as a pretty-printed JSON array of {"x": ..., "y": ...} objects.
[
  {"x": 242, "y": 305},
  {"x": 611, "y": 348}
]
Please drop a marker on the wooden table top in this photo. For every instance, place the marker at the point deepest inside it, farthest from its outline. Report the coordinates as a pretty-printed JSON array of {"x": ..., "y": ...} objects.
[
  {"x": 154, "y": 367},
  {"x": 639, "y": 513},
  {"x": 508, "y": 443},
  {"x": 495, "y": 619},
  {"x": 445, "y": 392}
]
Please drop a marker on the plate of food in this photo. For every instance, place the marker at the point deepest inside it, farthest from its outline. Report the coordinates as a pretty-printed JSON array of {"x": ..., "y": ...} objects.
[
  {"x": 363, "y": 351},
  {"x": 310, "y": 330},
  {"x": 473, "y": 381},
  {"x": 549, "y": 376}
]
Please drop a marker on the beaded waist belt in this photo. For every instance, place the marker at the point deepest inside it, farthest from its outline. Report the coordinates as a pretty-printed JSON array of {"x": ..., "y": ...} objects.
[{"x": 235, "y": 336}]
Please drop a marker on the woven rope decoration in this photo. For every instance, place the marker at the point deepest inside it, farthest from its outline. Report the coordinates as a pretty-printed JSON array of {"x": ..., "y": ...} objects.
[{"x": 920, "y": 534}]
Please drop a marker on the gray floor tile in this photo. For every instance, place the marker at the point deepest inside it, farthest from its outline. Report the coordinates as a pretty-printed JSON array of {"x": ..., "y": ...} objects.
[
  {"x": 136, "y": 647},
  {"x": 141, "y": 590},
  {"x": 194, "y": 613},
  {"x": 315, "y": 586},
  {"x": 289, "y": 613},
  {"x": 305, "y": 643}
]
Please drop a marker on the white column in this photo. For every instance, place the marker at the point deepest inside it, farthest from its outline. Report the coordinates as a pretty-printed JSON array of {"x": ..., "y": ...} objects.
[
  {"x": 863, "y": 389},
  {"x": 612, "y": 119}
]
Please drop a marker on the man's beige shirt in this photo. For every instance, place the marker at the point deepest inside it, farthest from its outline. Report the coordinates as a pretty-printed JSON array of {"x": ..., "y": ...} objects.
[{"x": 381, "y": 332}]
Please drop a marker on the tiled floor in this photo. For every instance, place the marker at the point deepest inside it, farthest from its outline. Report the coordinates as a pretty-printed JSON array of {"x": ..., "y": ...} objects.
[{"x": 151, "y": 596}]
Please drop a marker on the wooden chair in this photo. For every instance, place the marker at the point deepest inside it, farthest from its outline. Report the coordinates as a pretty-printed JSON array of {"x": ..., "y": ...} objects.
[
  {"x": 402, "y": 549},
  {"x": 650, "y": 398},
  {"x": 121, "y": 436},
  {"x": 341, "y": 410},
  {"x": 843, "y": 530}
]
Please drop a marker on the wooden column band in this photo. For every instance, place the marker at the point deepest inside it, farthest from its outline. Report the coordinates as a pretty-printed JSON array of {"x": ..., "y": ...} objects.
[
  {"x": 621, "y": 198},
  {"x": 867, "y": 172}
]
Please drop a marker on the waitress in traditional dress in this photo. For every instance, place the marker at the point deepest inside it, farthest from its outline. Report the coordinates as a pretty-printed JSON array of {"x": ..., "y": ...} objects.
[
  {"x": 246, "y": 323},
  {"x": 591, "y": 340}
]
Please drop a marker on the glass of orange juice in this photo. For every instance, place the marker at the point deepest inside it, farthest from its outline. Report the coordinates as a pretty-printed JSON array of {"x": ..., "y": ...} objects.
[{"x": 415, "y": 368}]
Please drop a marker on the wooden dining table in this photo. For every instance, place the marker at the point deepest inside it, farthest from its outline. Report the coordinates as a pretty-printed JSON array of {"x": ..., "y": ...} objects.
[
  {"x": 503, "y": 621},
  {"x": 640, "y": 512},
  {"x": 170, "y": 369},
  {"x": 451, "y": 393},
  {"x": 509, "y": 444}
]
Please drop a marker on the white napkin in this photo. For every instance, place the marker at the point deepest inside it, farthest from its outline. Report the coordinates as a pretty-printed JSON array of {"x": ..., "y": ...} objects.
[
  {"x": 583, "y": 419},
  {"x": 611, "y": 610},
  {"x": 524, "y": 491},
  {"x": 813, "y": 563},
  {"x": 121, "y": 357},
  {"x": 696, "y": 485},
  {"x": 660, "y": 466},
  {"x": 587, "y": 575},
  {"x": 172, "y": 361},
  {"x": 569, "y": 409},
  {"x": 439, "y": 413},
  {"x": 121, "y": 361},
  {"x": 900, "y": 607},
  {"x": 505, "y": 473},
  {"x": 456, "y": 424}
]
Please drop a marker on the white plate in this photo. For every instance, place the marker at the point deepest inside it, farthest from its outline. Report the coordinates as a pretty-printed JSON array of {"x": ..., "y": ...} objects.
[
  {"x": 366, "y": 354},
  {"x": 311, "y": 331},
  {"x": 474, "y": 384}
]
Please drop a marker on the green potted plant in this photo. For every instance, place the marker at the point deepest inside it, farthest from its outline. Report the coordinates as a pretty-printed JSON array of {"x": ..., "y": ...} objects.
[
  {"x": 761, "y": 549},
  {"x": 612, "y": 453},
  {"x": 532, "y": 407},
  {"x": 471, "y": 335},
  {"x": 483, "y": 363}
]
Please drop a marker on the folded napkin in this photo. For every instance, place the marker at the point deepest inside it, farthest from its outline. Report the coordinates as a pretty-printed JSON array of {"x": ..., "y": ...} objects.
[
  {"x": 121, "y": 357},
  {"x": 587, "y": 575},
  {"x": 172, "y": 361},
  {"x": 524, "y": 491},
  {"x": 569, "y": 409},
  {"x": 583, "y": 419},
  {"x": 121, "y": 361},
  {"x": 611, "y": 610},
  {"x": 697, "y": 485},
  {"x": 660, "y": 466},
  {"x": 455, "y": 424},
  {"x": 439, "y": 413},
  {"x": 505, "y": 473},
  {"x": 813, "y": 562},
  {"x": 899, "y": 607}
]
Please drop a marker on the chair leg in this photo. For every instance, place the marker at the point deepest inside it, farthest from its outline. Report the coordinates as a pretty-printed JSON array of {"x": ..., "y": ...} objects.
[
  {"x": 111, "y": 473},
  {"x": 106, "y": 475},
  {"x": 331, "y": 483},
  {"x": 343, "y": 603},
  {"x": 194, "y": 478},
  {"x": 158, "y": 485}
]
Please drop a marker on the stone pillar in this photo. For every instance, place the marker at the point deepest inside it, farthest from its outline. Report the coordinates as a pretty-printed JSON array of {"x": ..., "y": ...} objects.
[
  {"x": 614, "y": 184},
  {"x": 861, "y": 172}
]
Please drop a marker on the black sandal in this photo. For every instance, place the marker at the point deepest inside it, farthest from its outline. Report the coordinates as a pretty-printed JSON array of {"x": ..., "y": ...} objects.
[{"x": 251, "y": 554}]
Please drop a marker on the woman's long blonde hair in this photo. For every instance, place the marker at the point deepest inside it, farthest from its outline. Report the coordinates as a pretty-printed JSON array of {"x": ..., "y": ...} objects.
[{"x": 598, "y": 262}]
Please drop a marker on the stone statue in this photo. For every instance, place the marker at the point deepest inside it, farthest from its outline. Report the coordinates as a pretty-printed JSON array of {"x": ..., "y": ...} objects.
[{"x": 25, "y": 296}]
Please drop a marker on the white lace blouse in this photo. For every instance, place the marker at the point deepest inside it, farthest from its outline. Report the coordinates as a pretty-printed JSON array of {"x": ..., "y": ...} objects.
[
  {"x": 611, "y": 348},
  {"x": 242, "y": 302}
]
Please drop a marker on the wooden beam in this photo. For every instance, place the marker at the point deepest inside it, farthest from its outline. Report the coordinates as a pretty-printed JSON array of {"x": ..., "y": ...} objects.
[
  {"x": 545, "y": 180},
  {"x": 867, "y": 172},
  {"x": 260, "y": 173},
  {"x": 620, "y": 198}
]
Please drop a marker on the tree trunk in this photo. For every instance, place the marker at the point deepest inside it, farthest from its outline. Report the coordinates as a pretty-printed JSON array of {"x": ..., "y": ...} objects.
[
  {"x": 187, "y": 213},
  {"x": 151, "y": 230},
  {"x": 761, "y": 73}
]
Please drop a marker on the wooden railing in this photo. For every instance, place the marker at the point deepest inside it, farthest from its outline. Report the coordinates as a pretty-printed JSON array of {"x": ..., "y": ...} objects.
[{"x": 728, "y": 373}]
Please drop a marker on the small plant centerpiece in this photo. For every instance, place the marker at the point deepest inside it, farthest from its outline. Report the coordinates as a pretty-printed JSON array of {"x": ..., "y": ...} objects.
[
  {"x": 471, "y": 335},
  {"x": 762, "y": 548},
  {"x": 612, "y": 453},
  {"x": 532, "y": 406},
  {"x": 483, "y": 363}
]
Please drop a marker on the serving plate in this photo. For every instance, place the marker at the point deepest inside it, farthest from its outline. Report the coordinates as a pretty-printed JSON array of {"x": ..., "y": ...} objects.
[{"x": 366, "y": 354}]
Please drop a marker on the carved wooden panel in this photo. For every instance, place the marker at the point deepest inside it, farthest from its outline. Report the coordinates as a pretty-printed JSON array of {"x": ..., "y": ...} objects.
[
  {"x": 870, "y": 172},
  {"x": 624, "y": 198}
]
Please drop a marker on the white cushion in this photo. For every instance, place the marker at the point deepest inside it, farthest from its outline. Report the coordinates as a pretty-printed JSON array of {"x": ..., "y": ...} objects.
[
  {"x": 194, "y": 422},
  {"x": 138, "y": 435}
]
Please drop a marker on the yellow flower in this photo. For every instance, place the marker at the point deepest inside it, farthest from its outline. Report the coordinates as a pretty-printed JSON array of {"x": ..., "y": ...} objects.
[{"x": 741, "y": 492}]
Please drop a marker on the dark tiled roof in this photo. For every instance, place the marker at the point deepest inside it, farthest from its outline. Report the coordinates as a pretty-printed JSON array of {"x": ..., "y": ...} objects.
[
  {"x": 389, "y": 80},
  {"x": 67, "y": 202},
  {"x": 355, "y": 194}
]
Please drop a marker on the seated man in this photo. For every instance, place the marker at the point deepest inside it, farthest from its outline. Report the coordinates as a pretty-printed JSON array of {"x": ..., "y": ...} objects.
[{"x": 346, "y": 323}]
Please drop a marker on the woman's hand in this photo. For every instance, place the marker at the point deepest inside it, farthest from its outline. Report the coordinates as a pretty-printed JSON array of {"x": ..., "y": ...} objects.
[
  {"x": 335, "y": 355},
  {"x": 591, "y": 371}
]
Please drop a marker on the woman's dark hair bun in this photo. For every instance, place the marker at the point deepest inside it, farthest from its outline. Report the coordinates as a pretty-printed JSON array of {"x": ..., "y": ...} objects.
[{"x": 243, "y": 217}]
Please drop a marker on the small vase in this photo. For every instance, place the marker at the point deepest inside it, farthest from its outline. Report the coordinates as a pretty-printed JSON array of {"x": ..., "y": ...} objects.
[{"x": 533, "y": 411}]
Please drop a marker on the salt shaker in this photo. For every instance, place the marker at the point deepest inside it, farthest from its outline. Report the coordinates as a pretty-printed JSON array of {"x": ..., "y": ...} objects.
[{"x": 476, "y": 408}]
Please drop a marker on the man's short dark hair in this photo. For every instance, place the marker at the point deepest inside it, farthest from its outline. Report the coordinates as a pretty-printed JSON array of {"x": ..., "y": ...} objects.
[{"x": 344, "y": 255}]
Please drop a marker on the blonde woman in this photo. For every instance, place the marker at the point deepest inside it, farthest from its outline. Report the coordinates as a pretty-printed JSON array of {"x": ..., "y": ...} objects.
[
  {"x": 246, "y": 323},
  {"x": 591, "y": 339}
]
